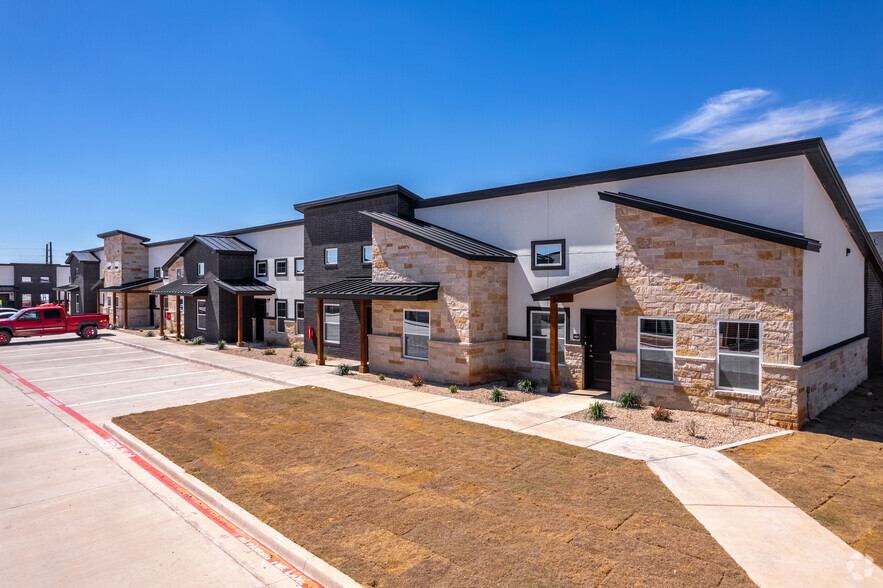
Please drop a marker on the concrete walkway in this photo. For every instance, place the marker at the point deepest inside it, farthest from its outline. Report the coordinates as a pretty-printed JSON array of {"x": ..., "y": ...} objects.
[{"x": 776, "y": 543}]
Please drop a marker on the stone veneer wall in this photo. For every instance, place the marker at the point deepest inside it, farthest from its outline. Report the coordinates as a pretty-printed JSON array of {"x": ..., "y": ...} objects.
[
  {"x": 570, "y": 375},
  {"x": 830, "y": 377},
  {"x": 132, "y": 256},
  {"x": 287, "y": 338},
  {"x": 468, "y": 322},
  {"x": 698, "y": 275}
]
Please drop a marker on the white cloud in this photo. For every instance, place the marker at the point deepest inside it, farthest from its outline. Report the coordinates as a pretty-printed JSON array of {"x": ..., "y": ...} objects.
[
  {"x": 863, "y": 136},
  {"x": 866, "y": 190},
  {"x": 717, "y": 110}
]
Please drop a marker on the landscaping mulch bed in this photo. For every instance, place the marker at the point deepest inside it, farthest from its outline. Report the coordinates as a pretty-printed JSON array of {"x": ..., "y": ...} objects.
[
  {"x": 711, "y": 430},
  {"x": 832, "y": 469},
  {"x": 396, "y": 497}
]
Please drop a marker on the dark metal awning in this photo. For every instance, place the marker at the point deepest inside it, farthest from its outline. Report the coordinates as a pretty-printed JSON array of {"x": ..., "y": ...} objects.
[
  {"x": 602, "y": 278},
  {"x": 179, "y": 288},
  {"x": 66, "y": 288},
  {"x": 8, "y": 288},
  {"x": 129, "y": 286},
  {"x": 246, "y": 287},
  {"x": 98, "y": 285},
  {"x": 365, "y": 289}
]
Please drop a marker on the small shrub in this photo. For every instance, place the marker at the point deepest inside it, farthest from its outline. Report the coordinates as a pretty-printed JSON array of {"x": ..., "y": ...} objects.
[
  {"x": 149, "y": 334},
  {"x": 343, "y": 369},
  {"x": 453, "y": 389},
  {"x": 510, "y": 380},
  {"x": 300, "y": 361},
  {"x": 598, "y": 411},
  {"x": 325, "y": 356},
  {"x": 164, "y": 338},
  {"x": 497, "y": 395},
  {"x": 692, "y": 427},
  {"x": 295, "y": 347},
  {"x": 416, "y": 381},
  {"x": 198, "y": 340},
  {"x": 527, "y": 386},
  {"x": 629, "y": 400},
  {"x": 112, "y": 327},
  {"x": 381, "y": 377},
  {"x": 222, "y": 344},
  {"x": 660, "y": 414},
  {"x": 268, "y": 351}
]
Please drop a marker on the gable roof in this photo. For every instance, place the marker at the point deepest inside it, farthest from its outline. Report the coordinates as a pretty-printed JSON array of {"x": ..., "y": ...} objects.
[
  {"x": 365, "y": 289},
  {"x": 455, "y": 243},
  {"x": 394, "y": 189},
  {"x": 217, "y": 243},
  {"x": 242, "y": 231},
  {"x": 81, "y": 256},
  {"x": 713, "y": 220},
  {"x": 119, "y": 232}
]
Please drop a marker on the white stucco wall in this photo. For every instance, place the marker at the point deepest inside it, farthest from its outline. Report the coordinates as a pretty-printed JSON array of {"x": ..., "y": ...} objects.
[
  {"x": 158, "y": 255},
  {"x": 287, "y": 243},
  {"x": 833, "y": 282},
  {"x": 7, "y": 275},
  {"x": 62, "y": 275}
]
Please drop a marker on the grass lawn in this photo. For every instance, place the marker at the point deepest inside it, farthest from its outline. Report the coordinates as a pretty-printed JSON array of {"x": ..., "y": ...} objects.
[
  {"x": 833, "y": 469},
  {"x": 397, "y": 497}
]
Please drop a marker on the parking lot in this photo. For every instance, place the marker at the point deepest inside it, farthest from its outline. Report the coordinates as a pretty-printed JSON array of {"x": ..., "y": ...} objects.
[{"x": 71, "y": 510}]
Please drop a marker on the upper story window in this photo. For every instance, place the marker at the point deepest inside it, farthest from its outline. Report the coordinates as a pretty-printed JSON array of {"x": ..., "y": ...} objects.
[
  {"x": 299, "y": 266},
  {"x": 656, "y": 349},
  {"x": 331, "y": 256},
  {"x": 367, "y": 253},
  {"x": 738, "y": 355},
  {"x": 108, "y": 266},
  {"x": 157, "y": 272},
  {"x": 260, "y": 268},
  {"x": 281, "y": 268},
  {"x": 547, "y": 254},
  {"x": 200, "y": 268},
  {"x": 178, "y": 273},
  {"x": 26, "y": 279},
  {"x": 44, "y": 279},
  {"x": 116, "y": 264}
]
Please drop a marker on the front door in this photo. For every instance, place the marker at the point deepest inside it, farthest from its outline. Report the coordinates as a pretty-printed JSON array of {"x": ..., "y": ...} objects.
[
  {"x": 598, "y": 328},
  {"x": 151, "y": 309},
  {"x": 260, "y": 313}
]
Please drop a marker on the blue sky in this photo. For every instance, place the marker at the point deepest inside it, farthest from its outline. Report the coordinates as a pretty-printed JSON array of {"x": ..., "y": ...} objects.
[{"x": 168, "y": 119}]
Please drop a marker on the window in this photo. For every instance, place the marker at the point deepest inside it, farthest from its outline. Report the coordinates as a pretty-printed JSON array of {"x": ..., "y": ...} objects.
[
  {"x": 416, "y": 334},
  {"x": 281, "y": 267},
  {"x": 52, "y": 313},
  {"x": 331, "y": 256},
  {"x": 157, "y": 272},
  {"x": 165, "y": 304},
  {"x": 178, "y": 273},
  {"x": 44, "y": 279},
  {"x": 200, "y": 269},
  {"x": 116, "y": 264},
  {"x": 367, "y": 253},
  {"x": 299, "y": 266},
  {"x": 281, "y": 315},
  {"x": 738, "y": 355},
  {"x": 539, "y": 335},
  {"x": 31, "y": 315},
  {"x": 200, "y": 315},
  {"x": 26, "y": 279},
  {"x": 102, "y": 299},
  {"x": 26, "y": 300},
  {"x": 260, "y": 268},
  {"x": 656, "y": 349},
  {"x": 108, "y": 266},
  {"x": 299, "y": 316},
  {"x": 73, "y": 273},
  {"x": 547, "y": 254},
  {"x": 331, "y": 323},
  {"x": 44, "y": 298},
  {"x": 77, "y": 303}
]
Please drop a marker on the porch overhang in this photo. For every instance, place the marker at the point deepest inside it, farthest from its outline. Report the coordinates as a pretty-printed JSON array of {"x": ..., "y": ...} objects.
[
  {"x": 132, "y": 286},
  {"x": 246, "y": 287},
  {"x": 365, "y": 289},
  {"x": 180, "y": 288},
  {"x": 583, "y": 284},
  {"x": 66, "y": 288}
]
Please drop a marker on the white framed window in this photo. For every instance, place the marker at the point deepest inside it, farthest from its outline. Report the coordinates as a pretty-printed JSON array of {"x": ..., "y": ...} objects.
[
  {"x": 367, "y": 253},
  {"x": 299, "y": 266},
  {"x": 103, "y": 302},
  {"x": 299, "y": 316},
  {"x": 178, "y": 273},
  {"x": 260, "y": 268},
  {"x": 281, "y": 314},
  {"x": 108, "y": 266},
  {"x": 548, "y": 254},
  {"x": 738, "y": 355},
  {"x": 44, "y": 279},
  {"x": 77, "y": 303},
  {"x": 200, "y": 268},
  {"x": 331, "y": 323},
  {"x": 26, "y": 300},
  {"x": 157, "y": 272},
  {"x": 44, "y": 298},
  {"x": 116, "y": 264},
  {"x": 540, "y": 328},
  {"x": 26, "y": 279},
  {"x": 200, "y": 314},
  {"x": 331, "y": 256},
  {"x": 281, "y": 267},
  {"x": 656, "y": 349},
  {"x": 416, "y": 334}
]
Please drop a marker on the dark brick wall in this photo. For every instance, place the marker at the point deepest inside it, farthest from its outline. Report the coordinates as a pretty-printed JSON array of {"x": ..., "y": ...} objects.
[
  {"x": 35, "y": 287},
  {"x": 341, "y": 226},
  {"x": 873, "y": 320}
]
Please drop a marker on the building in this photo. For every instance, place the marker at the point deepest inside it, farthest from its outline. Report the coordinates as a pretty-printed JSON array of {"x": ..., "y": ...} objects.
[
  {"x": 30, "y": 284},
  {"x": 80, "y": 294}
]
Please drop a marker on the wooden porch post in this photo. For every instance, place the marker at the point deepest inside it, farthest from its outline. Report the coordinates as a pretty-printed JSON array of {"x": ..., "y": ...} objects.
[
  {"x": 177, "y": 318},
  {"x": 320, "y": 344},
  {"x": 162, "y": 317},
  {"x": 363, "y": 335},
  {"x": 98, "y": 302},
  {"x": 116, "y": 318},
  {"x": 125, "y": 310},
  {"x": 239, "y": 320},
  {"x": 554, "y": 385}
]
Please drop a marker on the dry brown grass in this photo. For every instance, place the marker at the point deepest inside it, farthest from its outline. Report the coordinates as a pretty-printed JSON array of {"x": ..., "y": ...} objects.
[
  {"x": 397, "y": 497},
  {"x": 833, "y": 469}
]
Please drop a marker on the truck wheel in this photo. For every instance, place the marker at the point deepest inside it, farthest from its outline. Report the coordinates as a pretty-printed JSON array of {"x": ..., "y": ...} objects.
[
  {"x": 5, "y": 337},
  {"x": 89, "y": 332}
]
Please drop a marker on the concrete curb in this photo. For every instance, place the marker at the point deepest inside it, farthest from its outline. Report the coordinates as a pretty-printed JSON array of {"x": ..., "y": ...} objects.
[{"x": 310, "y": 564}]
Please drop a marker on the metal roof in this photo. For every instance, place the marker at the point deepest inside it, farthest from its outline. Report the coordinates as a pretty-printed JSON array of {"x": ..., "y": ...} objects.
[
  {"x": 9, "y": 288},
  {"x": 180, "y": 288},
  {"x": 455, "y": 243},
  {"x": 712, "y": 220},
  {"x": 595, "y": 280},
  {"x": 66, "y": 288},
  {"x": 81, "y": 256},
  {"x": 246, "y": 286},
  {"x": 98, "y": 285},
  {"x": 394, "y": 189},
  {"x": 217, "y": 243},
  {"x": 133, "y": 285},
  {"x": 119, "y": 232},
  {"x": 365, "y": 289}
]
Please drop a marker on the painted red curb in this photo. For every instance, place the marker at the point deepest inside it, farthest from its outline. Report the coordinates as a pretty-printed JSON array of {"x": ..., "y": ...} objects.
[{"x": 265, "y": 553}]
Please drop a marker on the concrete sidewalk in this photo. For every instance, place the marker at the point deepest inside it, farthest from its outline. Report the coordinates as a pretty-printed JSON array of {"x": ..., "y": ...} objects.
[{"x": 775, "y": 542}]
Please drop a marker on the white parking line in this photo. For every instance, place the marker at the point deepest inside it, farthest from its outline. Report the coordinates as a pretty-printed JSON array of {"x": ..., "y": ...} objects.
[
  {"x": 161, "y": 392},
  {"x": 74, "y": 357},
  {"x": 130, "y": 381},
  {"x": 70, "y": 376},
  {"x": 91, "y": 363},
  {"x": 44, "y": 348}
]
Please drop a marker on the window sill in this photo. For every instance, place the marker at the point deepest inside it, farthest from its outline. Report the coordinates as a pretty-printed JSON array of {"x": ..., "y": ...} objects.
[
  {"x": 415, "y": 358},
  {"x": 740, "y": 394},
  {"x": 652, "y": 381}
]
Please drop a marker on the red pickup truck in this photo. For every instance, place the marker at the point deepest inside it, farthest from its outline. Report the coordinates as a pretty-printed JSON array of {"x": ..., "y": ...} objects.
[{"x": 50, "y": 320}]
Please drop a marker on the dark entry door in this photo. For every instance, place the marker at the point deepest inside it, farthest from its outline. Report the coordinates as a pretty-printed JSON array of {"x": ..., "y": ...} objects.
[
  {"x": 599, "y": 338},
  {"x": 151, "y": 305},
  {"x": 260, "y": 313}
]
